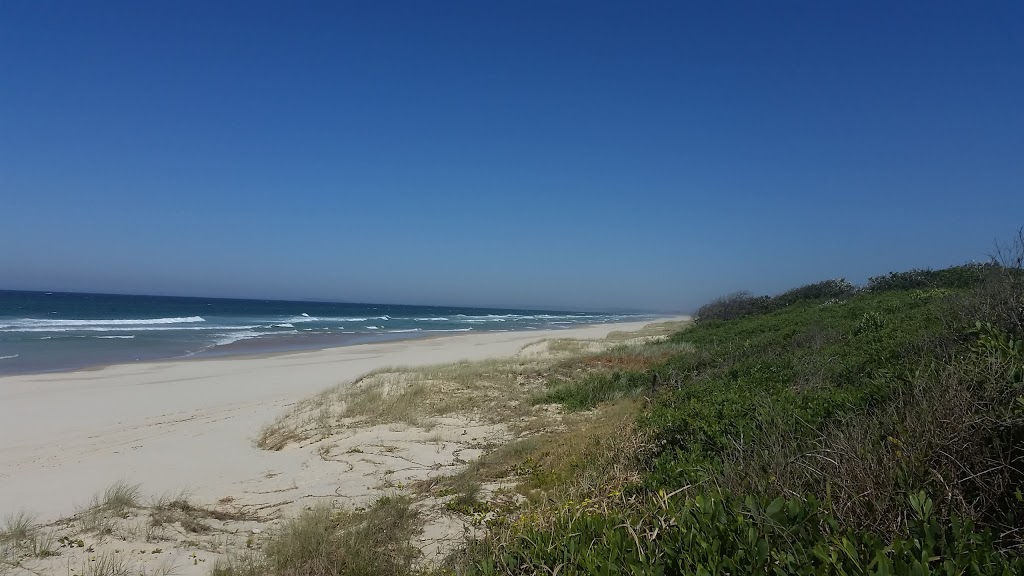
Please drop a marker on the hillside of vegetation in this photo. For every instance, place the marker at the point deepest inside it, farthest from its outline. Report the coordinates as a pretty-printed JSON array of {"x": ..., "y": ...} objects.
[
  {"x": 831, "y": 429},
  {"x": 827, "y": 430}
]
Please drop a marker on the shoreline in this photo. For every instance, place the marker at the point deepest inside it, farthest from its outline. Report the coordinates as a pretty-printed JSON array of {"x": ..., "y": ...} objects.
[
  {"x": 189, "y": 424},
  {"x": 265, "y": 347}
]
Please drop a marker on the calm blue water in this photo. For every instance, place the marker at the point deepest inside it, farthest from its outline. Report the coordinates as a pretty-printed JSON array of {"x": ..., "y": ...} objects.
[{"x": 52, "y": 331}]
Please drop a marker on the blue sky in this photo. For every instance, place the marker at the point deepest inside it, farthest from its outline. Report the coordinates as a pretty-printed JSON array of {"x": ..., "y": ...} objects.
[{"x": 573, "y": 154}]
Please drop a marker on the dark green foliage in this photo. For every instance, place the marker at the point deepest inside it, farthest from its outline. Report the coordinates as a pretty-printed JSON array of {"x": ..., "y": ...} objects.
[
  {"x": 586, "y": 392},
  {"x": 708, "y": 535},
  {"x": 957, "y": 277},
  {"x": 733, "y": 306},
  {"x": 822, "y": 431},
  {"x": 827, "y": 289},
  {"x": 799, "y": 368},
  {"x": 742, "y": 304}
]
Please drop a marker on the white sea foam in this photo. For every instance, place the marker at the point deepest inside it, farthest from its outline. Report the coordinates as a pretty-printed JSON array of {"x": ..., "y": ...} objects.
[
  {"x": 337, "y": 319},
  {"x": 438, "y": 319},
  {"x": 286, "y": 325},
  {"x": 518, "y": 317},
  {"x": 451, "y": 330},
  {"x": 131, "y": 328},
  {"x": 406, "y": 330},
  {"x": 8, "y": 357},
  {"x": 247, "y": 335},
  {"x": 121, "y": 337},
  {"x": 229, "y": 338},
  {"x": 372, "y": 327},
  {"x": 47, "y": 323}
]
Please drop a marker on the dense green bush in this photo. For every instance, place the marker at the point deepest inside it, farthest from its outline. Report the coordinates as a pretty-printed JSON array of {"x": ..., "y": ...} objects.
[
  {"x": 732, "y": 306},
  {"x": 742, "y": 304},
  {"x": 961, "y": 277},
  {"x": 587, "y": 391},
  {"x": 707, "y": 535},
  {"x": 835, "y": 288},
  {"x": 826, "y": 430}
]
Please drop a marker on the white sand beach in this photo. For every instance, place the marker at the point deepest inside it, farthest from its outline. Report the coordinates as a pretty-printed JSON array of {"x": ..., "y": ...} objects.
[{"x": 189, "y": 425}]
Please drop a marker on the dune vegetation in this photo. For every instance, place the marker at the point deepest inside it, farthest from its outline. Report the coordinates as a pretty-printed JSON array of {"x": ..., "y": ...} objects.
[{"x": 831, "y": 429}]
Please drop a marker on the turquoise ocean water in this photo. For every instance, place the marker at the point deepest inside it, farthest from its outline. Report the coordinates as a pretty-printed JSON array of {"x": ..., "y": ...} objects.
[{"x": 54, "y": 331}]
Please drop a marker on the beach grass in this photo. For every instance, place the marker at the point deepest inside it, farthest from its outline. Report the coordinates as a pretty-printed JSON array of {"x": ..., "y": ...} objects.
[
  {"x": 120, "y": 497},
  {"x": 18, "y": 527},
  {"x": 495, "y": 391},
  {"x": 22, "y": 537},
  {"x": 323, "y": 541}
]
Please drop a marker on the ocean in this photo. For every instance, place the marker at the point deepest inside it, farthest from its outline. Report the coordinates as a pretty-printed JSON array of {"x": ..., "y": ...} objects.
[{"x": 56, "y": 331}]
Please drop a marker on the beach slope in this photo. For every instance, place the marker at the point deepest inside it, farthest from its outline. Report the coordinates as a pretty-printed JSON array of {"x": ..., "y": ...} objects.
[{"x": 189, "y": 425}]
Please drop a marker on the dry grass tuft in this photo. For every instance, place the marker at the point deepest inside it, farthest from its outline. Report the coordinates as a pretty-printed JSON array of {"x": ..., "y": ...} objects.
[
  {"x": 179, "y": 509},
  {"x": 120, "y": 497},
  {"x": 325, "y": 542},
  {"x": 277, "y": 435},
  {"x": 22, "y": 537},
  {"x": 114, "y": 502},
  {"x": 18, "y": 527}
]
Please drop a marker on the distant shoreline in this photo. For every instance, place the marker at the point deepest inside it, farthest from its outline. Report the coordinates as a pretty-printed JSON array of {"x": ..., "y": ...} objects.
[
  {"x": 44, "y": 333},
  {"x": 269, "y": 347}
]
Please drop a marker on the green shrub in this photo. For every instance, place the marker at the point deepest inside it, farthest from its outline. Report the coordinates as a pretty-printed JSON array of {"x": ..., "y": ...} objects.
[
  {"x": 826, "y": 430},
  {"x": 827, "y": 289},
  {"x": 726, "y": 535},
  {"x": 732, "y": 306},
  {"x": 958, "y": 277},
  {"x": 587, "y": 391}
]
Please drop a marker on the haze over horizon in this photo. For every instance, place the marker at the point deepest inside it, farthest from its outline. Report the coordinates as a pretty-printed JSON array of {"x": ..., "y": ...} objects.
[{"x": 581, "y": 156}]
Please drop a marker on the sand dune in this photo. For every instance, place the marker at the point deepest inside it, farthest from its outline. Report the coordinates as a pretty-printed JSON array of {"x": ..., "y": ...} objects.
[{"x": 189, "y": 425}]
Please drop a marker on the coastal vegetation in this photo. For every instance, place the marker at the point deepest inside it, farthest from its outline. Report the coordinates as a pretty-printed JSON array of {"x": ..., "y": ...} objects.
[{"x": 831, "y": 429}]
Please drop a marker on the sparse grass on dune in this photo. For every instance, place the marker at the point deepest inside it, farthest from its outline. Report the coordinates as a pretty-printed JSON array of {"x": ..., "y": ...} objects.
[
  {"x": 652, "y": 332},
  {"x": 114, "y": 564},
  {"x": 322, "y": 541},
  {"x": 114, "y": 502},
  {"x": 109, "y": 564},
  {"x": 498, "y": 391},
  {"x": 121, "y": 496},
  {"x": 551, "y": 454},
  {"x": 18, "y": 526},
  {"x": 489, "y": 392},
  {"x": 591, "y": 455},
  {"x": 22, "y": 537}
]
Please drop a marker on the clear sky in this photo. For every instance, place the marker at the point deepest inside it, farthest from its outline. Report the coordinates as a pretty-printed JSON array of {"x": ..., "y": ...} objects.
[{"x": 646, "y": 155}]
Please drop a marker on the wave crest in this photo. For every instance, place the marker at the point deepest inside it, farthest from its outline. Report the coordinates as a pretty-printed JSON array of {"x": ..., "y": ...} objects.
[{"x": 71, "y": 323}]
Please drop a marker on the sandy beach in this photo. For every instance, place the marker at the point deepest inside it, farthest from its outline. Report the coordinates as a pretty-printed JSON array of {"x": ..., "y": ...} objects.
[{"x": 189, "y": 425}]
